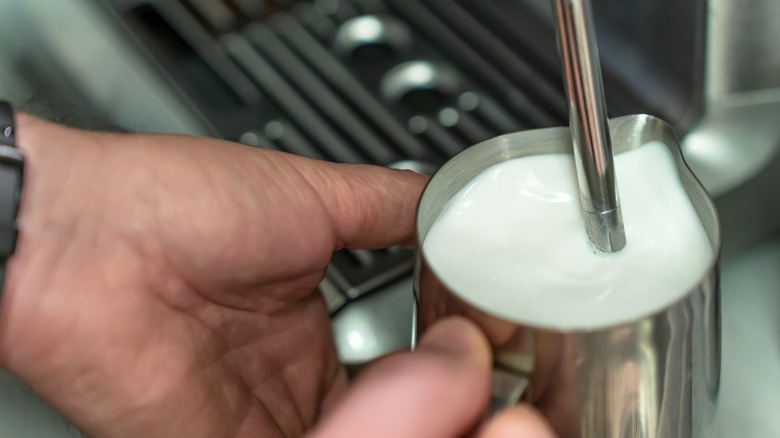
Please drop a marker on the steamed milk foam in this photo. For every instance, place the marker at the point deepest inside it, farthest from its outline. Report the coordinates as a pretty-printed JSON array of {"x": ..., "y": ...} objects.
[{"x": 513, "y": 243}]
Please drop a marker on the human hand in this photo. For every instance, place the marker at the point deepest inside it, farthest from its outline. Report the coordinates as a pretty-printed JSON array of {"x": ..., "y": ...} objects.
[{"x": 166, "y": 285}]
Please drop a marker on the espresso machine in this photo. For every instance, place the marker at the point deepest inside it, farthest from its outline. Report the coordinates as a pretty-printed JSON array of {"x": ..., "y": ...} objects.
[{"x": 411, "y": 83}]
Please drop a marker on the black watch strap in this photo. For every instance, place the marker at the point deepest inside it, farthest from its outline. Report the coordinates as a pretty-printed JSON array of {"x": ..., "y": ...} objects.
[{"x": 11, "y": 176}]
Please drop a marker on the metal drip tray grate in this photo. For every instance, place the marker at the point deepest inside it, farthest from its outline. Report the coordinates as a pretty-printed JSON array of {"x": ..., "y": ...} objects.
[{"x": 361, "y": 81}]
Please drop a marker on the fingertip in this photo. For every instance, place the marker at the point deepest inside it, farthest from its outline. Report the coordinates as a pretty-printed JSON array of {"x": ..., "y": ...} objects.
[
  {"x": 370, "y": 206},
  {"x": 519, "y": 421},
  {"x": 456, "y": 336}
]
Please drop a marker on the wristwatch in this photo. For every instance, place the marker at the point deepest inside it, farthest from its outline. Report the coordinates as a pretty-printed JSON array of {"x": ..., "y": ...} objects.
[{"x": 11, "y": 174}]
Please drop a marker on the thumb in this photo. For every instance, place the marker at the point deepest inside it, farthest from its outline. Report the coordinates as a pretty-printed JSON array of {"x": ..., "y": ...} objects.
[
  {"x": 519, "y": 421},
  {"x": 439, "y": 390}
]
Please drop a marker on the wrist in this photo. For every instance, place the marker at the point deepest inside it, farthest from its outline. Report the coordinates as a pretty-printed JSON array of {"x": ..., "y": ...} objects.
[
  {"x": 44, "y": 217},
  {"x": 10, "y": 309}
]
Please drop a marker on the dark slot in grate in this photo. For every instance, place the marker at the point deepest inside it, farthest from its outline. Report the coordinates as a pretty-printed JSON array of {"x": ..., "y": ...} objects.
[
  {"x": 322, "y": 96},
  {"x": 547, "y": 94},
  {"x": 187, "y": 64},
  {"x": 354, "y": 277},
  {"x": 292, "y": 103},
  {"x": 468, "y": 59}
]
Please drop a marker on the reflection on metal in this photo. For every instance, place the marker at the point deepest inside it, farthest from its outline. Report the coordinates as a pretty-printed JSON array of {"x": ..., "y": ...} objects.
[
  {"x": 737, "y": 139},
  {"x": 375, "y": 324},
  {"x": 415, "y": 166},
  {"x": 365, "y": 31},
  {"x": 738, "y": 134},
  {"x": 413, "y": 76}
]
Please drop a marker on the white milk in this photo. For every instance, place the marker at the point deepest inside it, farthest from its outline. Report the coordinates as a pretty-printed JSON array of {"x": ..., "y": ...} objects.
[{"x": 513, "y": 243}]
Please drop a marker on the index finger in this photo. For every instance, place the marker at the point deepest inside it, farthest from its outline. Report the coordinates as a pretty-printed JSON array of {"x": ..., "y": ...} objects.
[{"x": 370, "y": 206}]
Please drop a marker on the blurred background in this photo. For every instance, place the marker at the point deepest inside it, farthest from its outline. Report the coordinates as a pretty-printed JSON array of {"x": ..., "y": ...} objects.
[{"x": 408, "y": 84}]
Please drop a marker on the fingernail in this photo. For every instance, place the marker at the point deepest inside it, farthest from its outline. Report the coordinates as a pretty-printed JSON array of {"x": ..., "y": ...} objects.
[{"x": 453, "y": 336}]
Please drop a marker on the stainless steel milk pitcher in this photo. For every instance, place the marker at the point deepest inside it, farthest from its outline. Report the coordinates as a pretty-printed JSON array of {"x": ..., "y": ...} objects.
[{"x": 654, "y": 377}]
